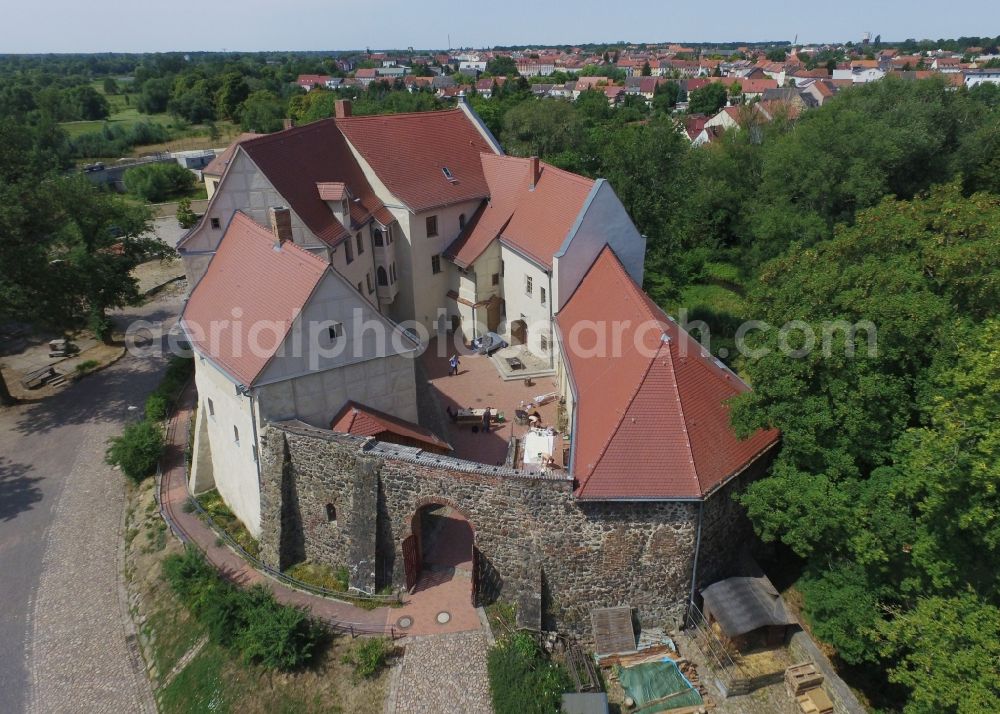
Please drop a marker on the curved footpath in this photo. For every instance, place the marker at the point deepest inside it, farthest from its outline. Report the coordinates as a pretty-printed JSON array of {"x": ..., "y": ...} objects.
[{"x": 421, "y": 607}]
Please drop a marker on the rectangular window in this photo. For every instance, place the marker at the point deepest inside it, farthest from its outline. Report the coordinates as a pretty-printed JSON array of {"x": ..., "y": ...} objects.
[
  {"x": 541, "y": 292},
  {"x": 335, "y": 331},
  {"x": 435, "y": 264},
  {"x": 496, "y": 278},
  {"x": 544, "y": 341},
  {"x": 371, "y": 288},
  {"x": 501, "y": 267},
  {"x": 361, "y": 244},
  {"x": 432, "y": 226},
  {"x": 215, "y": 223},
  {"x": 349, "y": 251},
  {"x": 528, "y": 284},
  {"x": 236, "y": 433},
  {"x": 211, "y": 407},
  {"x": 359, "y": 288}
]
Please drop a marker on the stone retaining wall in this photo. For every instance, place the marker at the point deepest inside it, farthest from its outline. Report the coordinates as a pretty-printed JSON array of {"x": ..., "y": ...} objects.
[{"x": 528, "y": 531}]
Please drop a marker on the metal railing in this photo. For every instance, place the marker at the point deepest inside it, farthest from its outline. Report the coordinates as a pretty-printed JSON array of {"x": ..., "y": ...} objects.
[{"x": 354, "y": 629}]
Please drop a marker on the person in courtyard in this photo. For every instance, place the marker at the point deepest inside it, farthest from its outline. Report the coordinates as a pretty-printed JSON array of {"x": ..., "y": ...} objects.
[
  {"x": 534, "y": 418},
  {"x": 453, "y": 365},
  {"x": 486, "y": 420}
]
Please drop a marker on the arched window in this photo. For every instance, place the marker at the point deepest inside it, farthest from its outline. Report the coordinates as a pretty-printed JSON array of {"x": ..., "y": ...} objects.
[
  {"x": 461, "y": 221},
  {"x": 331, "y": 513},
  {"x": 382, "y": 278},
  {"x": 377, "y": 235}
]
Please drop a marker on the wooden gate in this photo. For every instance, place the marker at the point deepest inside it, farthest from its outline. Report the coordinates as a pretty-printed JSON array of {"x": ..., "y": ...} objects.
[{"x": 411, "y": 561}]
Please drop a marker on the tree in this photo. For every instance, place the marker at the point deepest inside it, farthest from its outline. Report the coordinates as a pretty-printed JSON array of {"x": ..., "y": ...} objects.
[
  {"x": 647, "y": 71},
  {"x": 158, "y": 182},
  {"x": 262, "y": 112},
  {"x": 777, "y": 54},
  {"x": 666, "y": 96},
  {"x": 110, "y": 86},
  {"x": 231, "y": 95},
  {"x": 186, "y": 218},
  {"x": 90, "y": 105},
  {"x": 708, "y": 99},
  {"x": 154, "y": 96},
  {"x": 502, "y": 66},
  {"x": 948, "y": 647},
  {"x": 541, "y": 128}
]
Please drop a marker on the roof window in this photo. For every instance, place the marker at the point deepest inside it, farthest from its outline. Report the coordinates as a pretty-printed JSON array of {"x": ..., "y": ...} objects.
[{"x": 448, "y": 174}]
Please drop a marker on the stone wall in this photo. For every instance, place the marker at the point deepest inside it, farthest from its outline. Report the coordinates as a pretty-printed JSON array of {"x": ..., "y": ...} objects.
[{"x": 544, "y": 546}]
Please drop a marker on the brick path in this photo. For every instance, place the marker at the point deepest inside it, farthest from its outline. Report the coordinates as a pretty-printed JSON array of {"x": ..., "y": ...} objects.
[
  {"x": 434, "y": 594},
  {"x": 444, "y": 673}
]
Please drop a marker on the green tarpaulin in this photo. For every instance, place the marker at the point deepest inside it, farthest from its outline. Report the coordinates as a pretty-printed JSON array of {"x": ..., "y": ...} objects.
[{"x": 656, "y": 686}]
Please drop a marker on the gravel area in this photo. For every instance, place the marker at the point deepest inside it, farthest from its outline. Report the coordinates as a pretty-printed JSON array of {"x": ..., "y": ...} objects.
[{"x": 444, "y": 673}]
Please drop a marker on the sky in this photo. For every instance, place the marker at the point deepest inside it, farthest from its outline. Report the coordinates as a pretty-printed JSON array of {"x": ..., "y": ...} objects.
[{"x": 215, "y": 25}]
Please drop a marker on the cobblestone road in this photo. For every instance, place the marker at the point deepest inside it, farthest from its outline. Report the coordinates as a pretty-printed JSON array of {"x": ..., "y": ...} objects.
[
  {"x": 444, "y": 673},
  {"x": 63, "y": 630}
]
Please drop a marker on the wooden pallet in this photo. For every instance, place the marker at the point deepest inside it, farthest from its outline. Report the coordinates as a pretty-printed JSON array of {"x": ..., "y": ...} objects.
[
  {"x": 815, "y": 701},
  {"x": 800, "y": 678}
]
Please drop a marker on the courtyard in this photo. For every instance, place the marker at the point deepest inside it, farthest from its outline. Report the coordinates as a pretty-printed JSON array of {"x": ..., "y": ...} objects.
[{"x": 478, "y": 385}]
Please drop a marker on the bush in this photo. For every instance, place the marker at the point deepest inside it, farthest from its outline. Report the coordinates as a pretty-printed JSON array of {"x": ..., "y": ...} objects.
[
  {"x": 251, "y": 622},
  {"x": 115, "y": 140},
  {"x": 157, "y": 407},
  {"x": 158, "y": 182},
  {"x": 522, "y": 680},
  {"x": 225, "y": 519},
  {"x": 368, "y": 656},
  {"x": 87, "y": 366},
  {"x": 274, "y": 635},
  {"x": 137, "y": 450}
]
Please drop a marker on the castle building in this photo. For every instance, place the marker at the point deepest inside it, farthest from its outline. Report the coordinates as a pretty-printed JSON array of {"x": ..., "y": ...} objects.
[{"x": 338, "y": 267}]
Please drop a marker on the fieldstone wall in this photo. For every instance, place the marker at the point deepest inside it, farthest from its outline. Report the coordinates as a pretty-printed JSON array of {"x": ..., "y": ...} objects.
[{"x": 557, "y": 556}]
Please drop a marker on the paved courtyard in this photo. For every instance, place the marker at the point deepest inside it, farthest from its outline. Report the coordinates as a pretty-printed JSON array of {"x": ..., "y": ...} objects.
[{"x": 477, "y": 385}]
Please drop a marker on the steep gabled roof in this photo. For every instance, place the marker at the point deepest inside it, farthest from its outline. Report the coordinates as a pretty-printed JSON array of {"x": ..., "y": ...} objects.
[
  {"x": 217, "y": 166},
  {"x": 250, "y": 281},
  {"x": 362, "y": 420},
  {"x": 296, "y": 160},
  {"x": 652, "y": 420},
  {"x": 408, "y": 152},
  {"x": 535, "y": 221}
]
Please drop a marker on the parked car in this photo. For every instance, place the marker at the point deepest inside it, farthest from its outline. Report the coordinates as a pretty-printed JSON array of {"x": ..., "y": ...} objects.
[{"x": 488, "y": 343}]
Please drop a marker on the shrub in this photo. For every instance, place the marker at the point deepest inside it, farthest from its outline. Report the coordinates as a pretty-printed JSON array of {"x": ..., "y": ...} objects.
[
  {"x": 251, "y": 622},
  {"x": 158, "y": 182},
  {"x": 186, "y": 218},
  {"x": 137, "y": 450},
  {"x": 522, "y": 680},
  {"x": 274, "y": 635},
  {"x": 157, "y": 407},
  {"x": 86, "y": 366},
  {"x": 368, "y": 656}
]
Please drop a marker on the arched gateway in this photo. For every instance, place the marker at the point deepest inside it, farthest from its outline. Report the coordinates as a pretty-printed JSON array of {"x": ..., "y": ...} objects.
[{"x": 440, "y": 545}]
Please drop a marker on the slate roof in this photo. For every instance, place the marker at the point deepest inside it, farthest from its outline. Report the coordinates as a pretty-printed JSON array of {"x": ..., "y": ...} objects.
[
  {"x": 362, "y": 420},
  {"x": 247, "y": 273},
  {"x": 409, "y": 151},
  {"x": 297, "y": 159},
  {"x": 652, "y": 418},
  {"x": 533, "y": 221}
]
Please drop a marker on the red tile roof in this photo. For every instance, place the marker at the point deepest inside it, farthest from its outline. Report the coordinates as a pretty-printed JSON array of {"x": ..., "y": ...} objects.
[
  {"x": 693, "y": 125},
  {"x": 217, "y": 166},
  {"x": 362, "y": 420},
  {"x": 652, "y": 420},
  {"x": 408, "y": 151},
  {"x": 249, "y": 282},
  {"x": 757, "y": 86},
  {"x": 535, "y": 222},
  {"x": 296, "y": 160},
  {"x": 331, "y": 190}
]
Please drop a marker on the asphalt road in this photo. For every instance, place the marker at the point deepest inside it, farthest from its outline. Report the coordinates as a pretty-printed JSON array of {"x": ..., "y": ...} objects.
[{"x": 62, "y": 636}]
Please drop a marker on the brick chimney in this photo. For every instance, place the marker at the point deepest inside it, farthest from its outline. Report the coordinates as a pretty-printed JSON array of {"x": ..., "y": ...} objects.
[
  {"x": 342, "y": 108},
  {"x": 535, "y": 172},
  {"x": 281, "y": 223}
]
